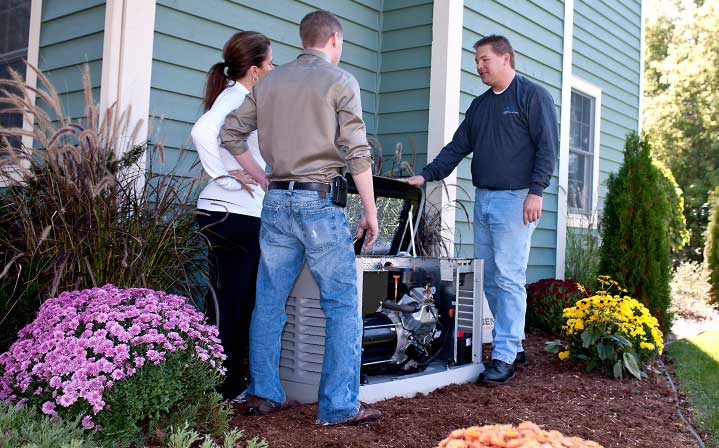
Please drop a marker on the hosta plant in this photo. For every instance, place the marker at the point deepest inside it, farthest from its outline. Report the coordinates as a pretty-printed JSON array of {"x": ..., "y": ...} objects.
[
  {"x": 122, "y": 360},
  {"x": 610, "y": 330}
]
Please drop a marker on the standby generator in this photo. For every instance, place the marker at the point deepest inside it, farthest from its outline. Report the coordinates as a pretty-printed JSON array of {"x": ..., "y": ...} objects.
[{"x": 424, "y": 318}]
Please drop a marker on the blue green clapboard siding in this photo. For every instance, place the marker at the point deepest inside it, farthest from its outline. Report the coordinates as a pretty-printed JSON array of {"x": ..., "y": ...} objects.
[
  {"x": 606, "y": 53},
  {"x": 406, "y": 51},
  {"x": 71, "y": 35},
  {"x": 189, "y": 36},
  {"x": 535, "y": 29}
]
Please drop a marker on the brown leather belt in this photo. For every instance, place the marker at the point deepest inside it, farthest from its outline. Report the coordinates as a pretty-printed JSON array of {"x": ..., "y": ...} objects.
[{"x": 311, "y": 186}]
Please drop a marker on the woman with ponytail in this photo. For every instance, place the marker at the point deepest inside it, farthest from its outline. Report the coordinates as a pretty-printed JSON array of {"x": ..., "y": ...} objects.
[{"x": 230, "y": 205}]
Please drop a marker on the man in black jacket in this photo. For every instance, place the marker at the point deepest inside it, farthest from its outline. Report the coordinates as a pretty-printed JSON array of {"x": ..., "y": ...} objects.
[{"x": 511, "y": 132}]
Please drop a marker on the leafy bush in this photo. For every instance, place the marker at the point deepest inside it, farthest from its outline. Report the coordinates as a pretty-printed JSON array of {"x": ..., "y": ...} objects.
[
  {"x": 76, "y": 215},
  {"x": 186, "y": 437},
  {"x": 546, "y": 301},
  {"x": 122, "y": 360},
  {"x": 609, "y": 330},
  {"x": 690, "y": 292},
  {"x": 711, "y": 253},
  {"x": 677, "y": 226},
  {"x": 23, "y": 427},
  {"x": 635, "y": 242}
]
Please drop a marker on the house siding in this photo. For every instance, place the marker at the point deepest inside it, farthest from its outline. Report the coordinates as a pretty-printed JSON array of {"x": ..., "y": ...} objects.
[
  {"x": 189, "y": 37},
  {"x": 406, "y": 53},
  {"x": 606, "y": 53},
  {"x": 71, "y": 35},
  {"x": 535, "y": 29}
]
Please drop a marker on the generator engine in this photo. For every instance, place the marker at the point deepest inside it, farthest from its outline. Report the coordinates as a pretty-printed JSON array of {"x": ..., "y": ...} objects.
[{"x": 405, "y": 333}]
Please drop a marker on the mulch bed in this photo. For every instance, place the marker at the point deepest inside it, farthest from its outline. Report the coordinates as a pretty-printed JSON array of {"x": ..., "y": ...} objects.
[{"x": 550, "y": 393}]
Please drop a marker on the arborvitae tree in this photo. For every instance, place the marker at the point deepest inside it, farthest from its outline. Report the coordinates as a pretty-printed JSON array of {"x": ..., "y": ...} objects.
[
  {"x": 711, "y": 252},
  {"x": 635, "y": 238}
]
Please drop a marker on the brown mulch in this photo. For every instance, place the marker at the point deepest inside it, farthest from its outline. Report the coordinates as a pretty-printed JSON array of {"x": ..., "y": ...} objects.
[{"x": 553, "y": 394}]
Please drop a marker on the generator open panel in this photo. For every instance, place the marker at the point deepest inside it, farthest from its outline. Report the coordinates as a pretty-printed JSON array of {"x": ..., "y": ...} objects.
[{"x": 422, "y": 316}]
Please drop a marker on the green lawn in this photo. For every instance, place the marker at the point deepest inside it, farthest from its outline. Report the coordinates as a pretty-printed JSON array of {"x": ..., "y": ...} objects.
[{"x": 697, "y": 363}]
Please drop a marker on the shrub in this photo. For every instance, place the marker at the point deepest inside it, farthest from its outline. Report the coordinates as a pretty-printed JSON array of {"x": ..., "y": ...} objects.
[
  {"x": 546, "y": 300},
  {"x": 711, "y": 252},
  {"x": 609, "y": 330},
  {"x": 635, "y": 242},
  {"x": 690, "y": 292},
  {"x": 76, "y": 215},
  {"x": 121, "y": 360},
  {"x": 524, "y": 435},
  {"x": 677, "y": 226},
  {"x": 23, "y": 427}
]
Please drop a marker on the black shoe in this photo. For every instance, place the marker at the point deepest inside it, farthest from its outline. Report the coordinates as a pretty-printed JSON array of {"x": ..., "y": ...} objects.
[
  {"x": 498, "y": 373},
  {"x": 519, "y": 361}
]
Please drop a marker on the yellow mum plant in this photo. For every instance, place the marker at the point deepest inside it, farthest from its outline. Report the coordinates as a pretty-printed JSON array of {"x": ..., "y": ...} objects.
[
  {"x": 609, "y": 329},
  {"x": 524, "y": 435}
]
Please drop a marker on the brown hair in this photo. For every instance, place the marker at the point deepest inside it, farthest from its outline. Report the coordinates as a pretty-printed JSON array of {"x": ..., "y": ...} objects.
[
  {"x": 317, "y": 27},
  {"x": 500, "y": 45},
  {"x": 242, "y": 51}
]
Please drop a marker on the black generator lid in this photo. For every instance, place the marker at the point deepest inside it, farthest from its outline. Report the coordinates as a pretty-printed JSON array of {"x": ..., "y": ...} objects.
[{"x": 399, "y": 207}]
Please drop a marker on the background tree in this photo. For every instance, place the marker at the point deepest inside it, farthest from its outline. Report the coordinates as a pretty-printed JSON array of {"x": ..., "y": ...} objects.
[
  {"x": 682, "y": 102},
  {"x": 635, "y": 242},
  {"x": 711, "y": 253}
]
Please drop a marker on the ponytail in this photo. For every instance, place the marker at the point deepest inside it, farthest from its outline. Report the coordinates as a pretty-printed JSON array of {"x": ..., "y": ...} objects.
[
  {"x": 216, "y": 82},
  {"x": 243, "y": 50}
]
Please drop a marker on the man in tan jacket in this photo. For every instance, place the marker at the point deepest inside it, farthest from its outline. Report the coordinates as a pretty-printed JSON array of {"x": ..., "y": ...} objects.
[{"x": 308, "y": 117}]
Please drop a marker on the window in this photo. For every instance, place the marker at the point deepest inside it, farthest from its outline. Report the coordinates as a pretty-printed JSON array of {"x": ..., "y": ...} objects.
[
  {"x": 583, "y": 173},
  {"x": 581, "y": 155},
  {"x": 14, "y": 32}
]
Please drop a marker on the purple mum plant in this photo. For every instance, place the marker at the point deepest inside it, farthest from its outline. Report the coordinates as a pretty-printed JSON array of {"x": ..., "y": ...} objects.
[{"x": 83, "y": 345}]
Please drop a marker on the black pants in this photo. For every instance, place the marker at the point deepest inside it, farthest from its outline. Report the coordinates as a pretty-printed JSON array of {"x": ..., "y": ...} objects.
[{"x": 233, "y": 259}]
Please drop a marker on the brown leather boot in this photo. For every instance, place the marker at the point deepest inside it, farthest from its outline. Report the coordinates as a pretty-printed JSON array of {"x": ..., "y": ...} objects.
[{"x": 259, "y": 406}]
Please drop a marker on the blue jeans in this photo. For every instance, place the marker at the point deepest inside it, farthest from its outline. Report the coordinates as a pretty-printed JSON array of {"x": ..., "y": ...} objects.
[
  {"x": 503, "y": 241},
  {"x": 298, "y": 226}
]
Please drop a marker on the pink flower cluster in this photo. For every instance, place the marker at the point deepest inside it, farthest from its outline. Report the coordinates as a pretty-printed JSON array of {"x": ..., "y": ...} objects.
[{"x": 82, "y": 342}]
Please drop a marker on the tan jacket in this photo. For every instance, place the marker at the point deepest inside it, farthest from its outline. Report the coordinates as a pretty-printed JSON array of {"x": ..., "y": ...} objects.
[{"x": 308, "y": 117}]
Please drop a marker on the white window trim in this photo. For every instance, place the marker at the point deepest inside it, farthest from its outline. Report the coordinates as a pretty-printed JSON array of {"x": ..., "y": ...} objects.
[
  {"x": 586, "y": 88},
  {"x": 33, "y": 57},
  {"x": 444, "y": 93}
]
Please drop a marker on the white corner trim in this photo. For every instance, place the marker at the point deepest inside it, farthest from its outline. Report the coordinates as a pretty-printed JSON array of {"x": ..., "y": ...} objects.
[
  {"x": 567, "y": 45},
  {"x": 445, "y": 75},
  {"x": 33, "y": 58},
  {"x": 582, "y": 86},
  {"x": 127, "y": 61},
  {"x": 642, "y": 41}
]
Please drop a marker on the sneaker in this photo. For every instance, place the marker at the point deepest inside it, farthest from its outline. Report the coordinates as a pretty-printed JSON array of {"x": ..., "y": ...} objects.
[
  {"x": 365, "y": 414},
  {"x": 498, "y": 373},
  {"x": 259, "y": 406}
]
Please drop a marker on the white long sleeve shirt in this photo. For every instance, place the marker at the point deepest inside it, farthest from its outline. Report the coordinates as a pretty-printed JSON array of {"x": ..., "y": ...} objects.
[{"x": 223, "y": 193}]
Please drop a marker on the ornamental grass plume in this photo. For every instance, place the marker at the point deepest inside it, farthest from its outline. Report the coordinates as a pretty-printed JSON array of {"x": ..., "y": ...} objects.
[
  {"x": 116, "y": 358},
  {"x": 85, "y": 207},
  {"x": 524, "y": 435}
]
